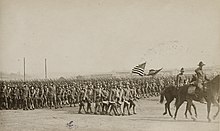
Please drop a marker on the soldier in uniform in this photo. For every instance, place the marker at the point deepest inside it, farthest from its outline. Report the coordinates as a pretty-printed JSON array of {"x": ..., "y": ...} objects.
[
  {"x": 88, "y": 99},
  {"x": 180, "y": 79},
  {"x": 31, "y": 98},
  {"x": 132, "y": 98},
  {"x": 2, "y": 96},
  {"x": 52, "y": 96},
  {"x": 71, "y": 95},
  {"x": 36, "y": 97},
  {"x": 113, "y": 99},
  {"x": 97, "y": 98},
  {"x": 201, "y": 79},
  {"x": 105, "y": 102},
  {"x": 25, "y": 94},
  {"x": 7, "y": 97},
  {"x": 45, "y": 96},
  {"x": 41, "y": 97},
  {"x": 126, "y": 96},
  {"x": 119, "y": 97},
  {"x": 19, "y": 90},
  {"x": 14, "y": 97},
  {"x": 82, "y": 100},
  {"x": 59, "y": 91}
]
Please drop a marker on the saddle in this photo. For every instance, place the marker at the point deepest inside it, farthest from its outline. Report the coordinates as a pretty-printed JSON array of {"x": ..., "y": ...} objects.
[{"x": 191, "y": 89}]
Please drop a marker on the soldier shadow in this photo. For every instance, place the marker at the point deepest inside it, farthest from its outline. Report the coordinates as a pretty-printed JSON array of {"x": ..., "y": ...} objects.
[
  {"x": 169, "y": 119},
  {"x": 71, "y": 110}
]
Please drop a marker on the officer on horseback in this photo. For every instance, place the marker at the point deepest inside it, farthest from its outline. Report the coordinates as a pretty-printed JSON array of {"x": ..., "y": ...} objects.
[
  {"x": 200, "y": 80},
  {"x": 180, "y": 79}
]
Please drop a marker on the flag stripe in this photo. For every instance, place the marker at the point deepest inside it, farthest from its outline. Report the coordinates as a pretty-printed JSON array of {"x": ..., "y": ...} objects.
[
  {"x": 136, "y": 70},
  {"x": 141, "y": 74},
  {"x": 139, "y": 69}
]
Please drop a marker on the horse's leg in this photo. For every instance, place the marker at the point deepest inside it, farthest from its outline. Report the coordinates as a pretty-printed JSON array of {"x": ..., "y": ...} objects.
[
  {"x": 186, "y": 111},
  {"x": 216, "y": 103},
  {"x": 194, "y": 109},
  {"x": 208, "y": 110},
  {"x": 179, "y": 103},
  {"x": 189, "y": 104},
  {"x": 165, "y": 109},
  {"x": 168, "y": 107}
]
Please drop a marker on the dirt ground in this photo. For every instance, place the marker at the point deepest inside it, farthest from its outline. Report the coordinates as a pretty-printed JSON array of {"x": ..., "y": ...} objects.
[{"x": 148, "y": 118}]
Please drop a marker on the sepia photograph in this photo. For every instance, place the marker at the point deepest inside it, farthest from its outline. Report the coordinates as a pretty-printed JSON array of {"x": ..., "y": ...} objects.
[{"x": 109, "y": 65}]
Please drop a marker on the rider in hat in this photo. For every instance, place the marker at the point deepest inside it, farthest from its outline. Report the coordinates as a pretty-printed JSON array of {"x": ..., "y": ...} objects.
[
  {"x": 201, "y": 79},
  {"x": 180, "y": 79}
]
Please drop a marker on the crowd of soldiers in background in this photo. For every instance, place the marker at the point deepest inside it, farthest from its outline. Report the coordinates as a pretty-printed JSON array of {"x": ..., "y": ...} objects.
[{"x": 113, "y": 96}]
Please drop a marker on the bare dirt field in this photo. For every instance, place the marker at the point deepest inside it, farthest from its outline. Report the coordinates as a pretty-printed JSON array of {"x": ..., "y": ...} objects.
[{"x": 148, "y": 118}]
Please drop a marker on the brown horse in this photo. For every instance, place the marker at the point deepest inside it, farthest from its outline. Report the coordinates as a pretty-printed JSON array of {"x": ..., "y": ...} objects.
[
  {"x": 211, "y": 95},
  {"x": 170, "y": 93}
]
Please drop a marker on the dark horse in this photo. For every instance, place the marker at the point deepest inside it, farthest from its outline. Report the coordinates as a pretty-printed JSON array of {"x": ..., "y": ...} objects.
[
  {"x": 170, "y": 93},
  {"x": 211, "y": 95}
]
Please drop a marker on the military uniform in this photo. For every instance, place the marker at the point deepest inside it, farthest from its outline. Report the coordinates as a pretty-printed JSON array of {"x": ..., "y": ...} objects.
[
  {"x": 201, "y": 79},
  {"x": 126, "y": 96},
  {"x": 14, "y": 98},
  {"x": 97, "y": 98},
  {"x": 132, "y": 99},
  {"x": 88, "y": 99},
  {"x": 58, "y": 95},
  {"x": 24, "y": 97},
  {"x": 113, "y": 99},
  {"x": 81, "y": 100},
  {"x": 180, "y": 79},
  {"x": 2, "y": 97}
]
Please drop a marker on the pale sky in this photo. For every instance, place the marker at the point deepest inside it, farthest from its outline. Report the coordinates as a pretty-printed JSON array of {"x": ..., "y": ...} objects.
[{"x": 107, "y": 35}]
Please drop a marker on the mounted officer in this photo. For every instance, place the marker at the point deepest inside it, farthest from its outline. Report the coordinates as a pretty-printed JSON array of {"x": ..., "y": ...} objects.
[
  {"x": 180, "y": 79},
  {"x": 200, "y": 80}
]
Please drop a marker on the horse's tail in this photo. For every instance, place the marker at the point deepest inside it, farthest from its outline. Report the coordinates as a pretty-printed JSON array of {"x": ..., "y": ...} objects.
[{"x": 161, "y": 98}]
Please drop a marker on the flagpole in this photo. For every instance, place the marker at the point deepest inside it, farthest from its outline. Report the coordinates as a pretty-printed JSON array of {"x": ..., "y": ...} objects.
[
  {"x": 24, "y": 69},
  {"x": 45, "y": 68}
]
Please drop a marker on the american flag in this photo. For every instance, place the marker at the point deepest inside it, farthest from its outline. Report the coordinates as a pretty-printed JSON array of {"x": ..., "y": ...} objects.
[
  {"x": 153, "y": 72},
  {"x": 139, "y": 69}
]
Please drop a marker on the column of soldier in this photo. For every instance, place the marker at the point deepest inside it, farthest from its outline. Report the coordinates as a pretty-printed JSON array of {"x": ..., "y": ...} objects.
[{"x": 111, "y": 96}]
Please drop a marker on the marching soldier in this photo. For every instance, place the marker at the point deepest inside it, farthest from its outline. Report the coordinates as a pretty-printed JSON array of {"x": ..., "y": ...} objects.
[
  {"x": 41, "y": 97},
  {"x": 52, "y": 96},
  {"x": 36, "y": 97},
  {"x": 97, "y": 98},
  {"x": 2, "y": 96},
  {"x": 88, "y": 98},
  {"x": 71, "y": 95},
  {"x": 119, "y": 97},
  {"x": 31, "y": 98},
  {"x": 14, "y": 97},
  {"x": 112, "y": 100},
  {"x": 82, "y": 100},
  {"x": 132, "y": 98},
  {"x": 25, "y": 93},
  {"x": 105, "y": 102},
  {"x": 45, "y": 96},
  {"x": 126, "y": 96},
  {"x": 58, "y": 95}
]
